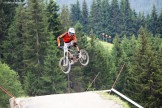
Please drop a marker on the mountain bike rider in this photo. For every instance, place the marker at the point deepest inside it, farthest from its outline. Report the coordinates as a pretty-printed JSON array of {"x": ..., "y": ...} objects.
[{"x": 69, "y": 39}]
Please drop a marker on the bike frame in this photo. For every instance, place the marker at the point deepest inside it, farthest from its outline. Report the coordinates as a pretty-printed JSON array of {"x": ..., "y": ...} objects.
[
  {"x": 68, "y": 53},
  {"x": 65, "y": 62}
]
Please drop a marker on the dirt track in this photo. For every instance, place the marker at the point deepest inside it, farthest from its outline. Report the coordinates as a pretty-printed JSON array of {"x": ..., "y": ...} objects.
[{"x": 72, "y": 100}]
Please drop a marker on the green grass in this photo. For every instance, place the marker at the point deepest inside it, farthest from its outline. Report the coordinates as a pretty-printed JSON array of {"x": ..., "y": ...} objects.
[
  {"x": 106, "y": 45},
  {"x": 115, "y": 99}
]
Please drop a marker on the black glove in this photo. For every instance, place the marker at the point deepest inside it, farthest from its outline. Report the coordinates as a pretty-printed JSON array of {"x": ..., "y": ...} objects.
[
  {"x": 74, "y": 44},
  {"x": 58, "y": 47}
]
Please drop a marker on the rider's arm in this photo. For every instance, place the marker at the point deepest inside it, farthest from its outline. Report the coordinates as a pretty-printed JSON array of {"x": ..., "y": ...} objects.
[
  {"x": 59, "y": 37},
  {"x": 75, "y": 43},
  {"x": 74, "y": 38}
]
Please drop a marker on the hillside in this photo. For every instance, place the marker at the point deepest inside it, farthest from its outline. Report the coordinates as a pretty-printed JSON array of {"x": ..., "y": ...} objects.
[
  {"x": 106, "y": 45},
  {"x": 137, "y": 5}
]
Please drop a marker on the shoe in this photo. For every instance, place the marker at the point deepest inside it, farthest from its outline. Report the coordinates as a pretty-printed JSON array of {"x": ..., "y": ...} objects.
[{"x": 71, "y": 61}]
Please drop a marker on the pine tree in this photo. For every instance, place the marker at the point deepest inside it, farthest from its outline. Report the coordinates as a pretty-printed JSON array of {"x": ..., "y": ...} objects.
[
  {"x": 14, "y": 43},
  {"x": 105, "y": 19},
  {"x": 99, "y": 16},
  {"x": 65, "y": 18},
  {"x": 3, "y": 27},
  {"x": 53, "y": 19},
  {"x": 75, "y": 14},
  {"x": 81, "y": 38},
  {"x": 153, "y": 26},
  {"x": 158, "y": 93},
  {"x": 159, "y": 24},
  {"x": 135, "y": 26},
  {"x": 88, "y": 72},
  {"x": 8, "y": 76},
  {"x": 7, "y": 13},
  {"x": 85, "y": 15},
  {"x": 2, "y": 21},
  {"x": 126, "y": 14},
  {"x": 92, "y": 16},
  {"x": 126, "y": 80},
  {"x": 139, "y": 64},
  {"x": 53, "y": 80},
  {"x": 115, "y": 18},
  {"x": 95, "y": 17},
  {"x": 94, "y": 68},
  {"x": 155, "y": 96},
  {"x": 115, "y": 59},
  {"x": 147, "y": 70},
  {"x": 35, "y": 46},
  {"x": 141, "y": 20}
]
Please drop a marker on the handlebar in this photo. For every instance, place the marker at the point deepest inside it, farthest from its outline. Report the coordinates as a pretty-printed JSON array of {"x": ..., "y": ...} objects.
[{"x": 61, "y": 47}]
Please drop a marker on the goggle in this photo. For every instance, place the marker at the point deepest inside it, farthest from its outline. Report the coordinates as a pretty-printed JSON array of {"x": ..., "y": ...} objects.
[{"x": 71, "y": 33}]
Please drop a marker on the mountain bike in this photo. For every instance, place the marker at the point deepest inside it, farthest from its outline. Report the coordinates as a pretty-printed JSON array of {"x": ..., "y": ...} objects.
[{"x": 70, "y": 57}]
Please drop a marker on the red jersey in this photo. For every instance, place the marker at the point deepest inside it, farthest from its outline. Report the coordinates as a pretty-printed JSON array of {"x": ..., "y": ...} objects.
[{"x": 66, "y": 38}]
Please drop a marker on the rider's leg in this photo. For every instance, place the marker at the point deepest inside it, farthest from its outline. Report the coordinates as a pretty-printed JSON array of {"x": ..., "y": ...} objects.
[
  {"x": 78, "y": 49},
  {"x": 79, "y": 53},
  {"x": 68, "y": 46},
  {"x": 76, "y": 46}
]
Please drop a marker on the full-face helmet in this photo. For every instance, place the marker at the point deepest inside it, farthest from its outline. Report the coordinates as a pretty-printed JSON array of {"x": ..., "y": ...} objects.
[{"x": 71, "y": 31}]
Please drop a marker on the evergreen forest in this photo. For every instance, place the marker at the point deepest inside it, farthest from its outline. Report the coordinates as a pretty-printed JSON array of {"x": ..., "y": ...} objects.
[{"x": 29, "y": 56}]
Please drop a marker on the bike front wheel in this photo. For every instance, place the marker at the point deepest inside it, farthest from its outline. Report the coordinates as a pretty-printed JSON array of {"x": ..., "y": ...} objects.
[
  {"x": 84, "y": 58},
  {"x": 65, "y": 65}
]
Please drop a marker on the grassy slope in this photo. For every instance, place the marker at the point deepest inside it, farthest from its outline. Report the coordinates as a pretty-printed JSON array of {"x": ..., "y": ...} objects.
[
  {"x": 106, "y": 45},
  {"x": 116, "y": 99}
]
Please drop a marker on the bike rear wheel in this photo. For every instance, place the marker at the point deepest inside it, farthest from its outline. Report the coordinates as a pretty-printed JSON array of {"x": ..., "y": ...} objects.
[
  {"x": 84, "y": 59},
  {"x": 65, "y": 65}
]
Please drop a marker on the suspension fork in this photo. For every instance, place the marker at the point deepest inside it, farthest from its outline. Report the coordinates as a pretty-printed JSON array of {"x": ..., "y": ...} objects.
[{"x": 65, "y": 62}]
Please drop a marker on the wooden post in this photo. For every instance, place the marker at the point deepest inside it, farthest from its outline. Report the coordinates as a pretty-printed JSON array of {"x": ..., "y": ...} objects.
[
  {"x": 12, "y": 102},
  {"x": 68, "y": 82}
]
